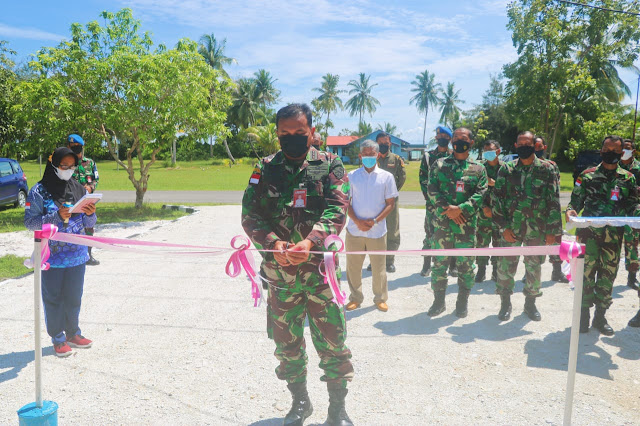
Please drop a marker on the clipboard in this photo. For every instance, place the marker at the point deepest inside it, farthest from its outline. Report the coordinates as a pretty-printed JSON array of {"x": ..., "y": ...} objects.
[{"x": 87, "y": 199}]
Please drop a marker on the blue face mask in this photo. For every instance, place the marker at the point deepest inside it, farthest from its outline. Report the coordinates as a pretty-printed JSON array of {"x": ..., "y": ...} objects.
[
  {"x": 369, "y": 162},
  {"x": 489, "y": 155}
]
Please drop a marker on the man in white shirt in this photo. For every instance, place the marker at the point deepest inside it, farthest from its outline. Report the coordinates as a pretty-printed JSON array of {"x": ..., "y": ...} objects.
[{"x": 372, "y": 196}]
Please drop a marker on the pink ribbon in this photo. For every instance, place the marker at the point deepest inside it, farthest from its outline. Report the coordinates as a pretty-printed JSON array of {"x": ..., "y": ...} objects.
[
  {"x": 570, "y": 250},
  {"x": 44, "y": 235},
  {"x": 240, "y": 259},
  {"x": 330, "y": 275}
]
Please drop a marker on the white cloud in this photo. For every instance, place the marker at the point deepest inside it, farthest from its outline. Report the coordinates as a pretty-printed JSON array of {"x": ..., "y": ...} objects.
[{"x": 28, "y": 33}]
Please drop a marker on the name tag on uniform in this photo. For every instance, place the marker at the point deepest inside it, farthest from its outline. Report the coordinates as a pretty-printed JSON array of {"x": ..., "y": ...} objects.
[
  {"x": 88, "y": 179},
  {"x": 299, "y": 198},
  {"x": 615, "y": 194},
  {"x": 459, "y": 186}
]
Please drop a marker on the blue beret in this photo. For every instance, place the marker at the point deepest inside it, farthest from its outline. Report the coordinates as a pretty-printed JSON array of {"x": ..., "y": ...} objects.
[
  {"x": 444, "y": 129},
  {"x": 75, "y": 138}
]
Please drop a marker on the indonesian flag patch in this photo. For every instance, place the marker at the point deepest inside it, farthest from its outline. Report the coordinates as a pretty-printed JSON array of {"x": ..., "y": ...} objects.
[
  {"x": 255, "y": 176},
  {"x": 27, "y": 206},
  {"x": 579, "y": 181}
]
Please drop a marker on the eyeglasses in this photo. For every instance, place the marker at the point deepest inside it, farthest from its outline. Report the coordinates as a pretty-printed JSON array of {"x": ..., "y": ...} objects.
[{"x": 64, "y": 167}]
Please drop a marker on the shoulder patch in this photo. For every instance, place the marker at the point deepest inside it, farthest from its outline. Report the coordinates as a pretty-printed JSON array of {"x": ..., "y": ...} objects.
[
  {"x": 255, "y": 175},
  {"x": 579, "y": 181}
]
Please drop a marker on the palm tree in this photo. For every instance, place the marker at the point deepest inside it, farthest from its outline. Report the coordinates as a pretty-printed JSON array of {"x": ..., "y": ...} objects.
[
  {"x": 450, "y": 108},
  {"x": 362, "y": 99},
  {"x": 265, "y": 90},
  {"x": 213, "y": 53},
  {"x": 427, "y": 92},
  {"x": 329, "y": 100},
  {"x": 245, "y": 103},
  {"x": 389, "y": 128},
  {"x": 266, "y": 138}
]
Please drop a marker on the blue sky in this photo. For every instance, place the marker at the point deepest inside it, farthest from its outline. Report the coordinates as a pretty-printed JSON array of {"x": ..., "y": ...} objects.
[{"x": 299, "y": 41}]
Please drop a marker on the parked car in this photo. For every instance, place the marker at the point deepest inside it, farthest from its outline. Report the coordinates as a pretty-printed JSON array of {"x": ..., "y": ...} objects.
[
  {"x": 585, "y": 160},
  {"x": 13, "y": 183}
]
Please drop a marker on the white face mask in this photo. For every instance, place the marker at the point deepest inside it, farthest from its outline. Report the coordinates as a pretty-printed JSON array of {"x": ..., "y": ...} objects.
[
  {"x": 63, "y": 174},
  {"x": 626, "y": 154}
]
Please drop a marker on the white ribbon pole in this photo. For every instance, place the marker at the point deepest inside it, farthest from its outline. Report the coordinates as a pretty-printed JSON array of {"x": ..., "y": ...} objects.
[
  {"x": 36, "y": 317},
  {"x": 575, "y": 336}
]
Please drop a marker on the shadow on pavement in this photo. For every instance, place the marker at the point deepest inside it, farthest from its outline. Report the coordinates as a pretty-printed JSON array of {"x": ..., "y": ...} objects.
[
  {"x": 553, "y": 353},
  {"x": 490, "y": 329},
  {"x": 359, "y": 312},
  {"x": 413, "y": 280},
  {"x": 419, "y": 324},
  {"x": 16, "y": 361},
  {"x": 622, "y": 340}
]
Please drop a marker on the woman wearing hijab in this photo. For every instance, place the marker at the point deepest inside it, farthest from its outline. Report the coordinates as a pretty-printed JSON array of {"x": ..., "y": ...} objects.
[{"x": 62, "y": 284}]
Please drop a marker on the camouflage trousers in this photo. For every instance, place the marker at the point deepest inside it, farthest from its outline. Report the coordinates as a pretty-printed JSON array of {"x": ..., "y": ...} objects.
[
  {"x": 601, "y": 262},
  {"x": 486, "y": 233},
  {"x": 508, "y": 265},
  {"x": 294, "y": 294},
  {"x": 393, "y": 231},
  {"x": 631, "y": 262},
  {"x": 428, "y": 229},
  {"x": 443, "y": 238}
]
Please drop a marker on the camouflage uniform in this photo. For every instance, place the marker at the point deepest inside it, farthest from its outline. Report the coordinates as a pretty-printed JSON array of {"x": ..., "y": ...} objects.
[
  {"x": 87, "y": 175},
  {"x": 427, "y": 161},
  {"x": 555, "y": 259},
  {"x": 269, "y": 215},
  {"x": 487, "y": 229},
  {"x": 460, "y": 183},
  {"x": 631, "y": 262},
  {"x": 526, "y": 200},
  {"x": 394, "y": 164},
  {"x": 601, "y": 192}
]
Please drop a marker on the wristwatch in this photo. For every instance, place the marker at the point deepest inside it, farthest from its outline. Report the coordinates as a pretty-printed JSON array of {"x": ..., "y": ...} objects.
[{"x": 375, "y": 220}]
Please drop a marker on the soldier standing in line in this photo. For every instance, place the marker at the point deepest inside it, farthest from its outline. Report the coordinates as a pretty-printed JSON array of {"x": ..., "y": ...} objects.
[
  {"x": 317, "y": 141},
  {"x": 556, "y": 262},
  {"x": 87, "y": 175},
  {"x": 526, "y": 208},
  {"x": 443, "y": 137},
  {"x": 602, "y": 191},
  {"x": 457, "y": 185},
  {"x": 487, "y": 231},
  {"x": 631, "y": 263},
  {"x": 274, "y": 222},
  {"x": 393, "y": 164}
]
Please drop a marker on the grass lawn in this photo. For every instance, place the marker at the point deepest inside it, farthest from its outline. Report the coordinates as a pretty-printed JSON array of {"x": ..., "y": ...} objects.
[{"x": 11, "y": 266}]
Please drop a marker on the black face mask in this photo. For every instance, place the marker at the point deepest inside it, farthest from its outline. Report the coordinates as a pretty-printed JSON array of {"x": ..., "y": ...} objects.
[
  {"x": 383, "y": 149},
  {"x": 77, "y": 149},
  {"x": 525, "y": 151},
  {"x": 610, "y": 157},
  {"x": 460, "y": 146},
  {"x": 443, "y": 142},
  {"x": 540, "y": 154},
  {"x": 294, "y": 146}
]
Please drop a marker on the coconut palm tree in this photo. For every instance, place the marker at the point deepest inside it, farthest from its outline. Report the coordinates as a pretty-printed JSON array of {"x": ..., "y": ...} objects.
[
  {"x": 450, "y": 108},
  {"x": 265, "y": 137},
  {"x": 329, "y": 100},
  {"x": 389, "y": 128},
  {"x": 362, "y": 100},
  {"x": 245, "y": 103},
  {"x": 427, "y": 92},
  {"x": 266, "y": 92},
  {"x": 213, "y": 53}
]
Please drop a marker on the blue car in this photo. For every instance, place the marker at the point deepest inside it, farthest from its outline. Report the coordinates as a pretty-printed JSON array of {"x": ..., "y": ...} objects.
[{"x": 13, "y": 183}]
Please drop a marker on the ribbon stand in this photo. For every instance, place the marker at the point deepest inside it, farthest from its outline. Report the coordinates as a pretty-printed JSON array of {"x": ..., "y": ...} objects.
[{"x": 578, "y": 268}]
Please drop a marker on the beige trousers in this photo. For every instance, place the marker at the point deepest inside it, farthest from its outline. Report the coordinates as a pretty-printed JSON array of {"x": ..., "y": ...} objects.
[{"x": 378, "y": 267}]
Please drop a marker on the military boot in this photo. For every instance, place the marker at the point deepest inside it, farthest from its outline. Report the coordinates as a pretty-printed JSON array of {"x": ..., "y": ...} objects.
[
  {"x": 584, "y": 320},
  {"x": 426, "y": 266},
  {"x": 494, "y": 273},
  {"x": 557, "y": 275},
  {"x": 505, "y": 307},
  {"x": 453, "y": 268},
  {"x": 632, "y": 281},
  {"x": 337, "y": 415},
  {"x": 301, "y": 407},
  {"x": 600, "y": 322},
  {"x": 438, "y": 306},
  {"x": 530, "y": 309},
  {"x": 462, "y": 302},
  {"x": 635, "y": 321},
  {"x": 482, "y": 273}
]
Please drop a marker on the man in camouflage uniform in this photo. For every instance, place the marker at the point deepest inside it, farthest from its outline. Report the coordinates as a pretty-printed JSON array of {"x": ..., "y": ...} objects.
[
  {"x": 457, "y": 185},
  {"x": 394, "y": 164},
  {"x": 443, "y": 137},
  {"x": 556, "y": 262},
  {"x": 526, "y": 209},
  {"x": 631, "y": 263},
  {"x": 487, "y": 231},
  {"x": 87, "y": 175},
  {"x": 602, "y": 191},
  {"x": 295, "y": 199}
]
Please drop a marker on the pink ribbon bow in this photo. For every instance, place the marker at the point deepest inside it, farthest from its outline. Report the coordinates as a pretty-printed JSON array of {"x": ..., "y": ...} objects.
[
  {"x": 48, "y": 231},
  {"x": 243, "y": 259},
  {"x": 570, "y": 250},
  {"x": 330, "y": 274}
]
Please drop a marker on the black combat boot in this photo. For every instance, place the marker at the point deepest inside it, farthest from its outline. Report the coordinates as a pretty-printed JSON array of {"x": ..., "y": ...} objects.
[
  {"x": 505, "y": 307},
  {"x": 530, "y": 308},
  {"x": 482, "y": 274},
  {"x": 462, "y": 302},
  {"x": 92, "y": 260},
  {"x": 337, "y": 415},
  {"x": 635, "y": 321},
  {"x": 600, "y": 322},
  {"x": 426, "y": 266},
  {"x": 585, "y": 316},
  {"x": 557, "y": 275},
  {"x": 301, "y": 407},
  {"x": 438, "y": 306},
  {"x": 632, "y": 281},
  {"x": 453, "y": 268}
]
